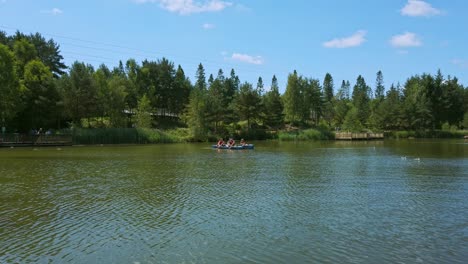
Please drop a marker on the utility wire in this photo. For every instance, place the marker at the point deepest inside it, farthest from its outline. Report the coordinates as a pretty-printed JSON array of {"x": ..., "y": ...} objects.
[{"x": 114, "y": 49}]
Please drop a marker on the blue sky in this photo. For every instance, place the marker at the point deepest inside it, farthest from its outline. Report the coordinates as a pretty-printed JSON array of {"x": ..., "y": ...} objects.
[{"x": 259, "y": 37}]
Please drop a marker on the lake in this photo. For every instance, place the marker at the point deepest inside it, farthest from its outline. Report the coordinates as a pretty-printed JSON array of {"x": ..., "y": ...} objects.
[{"x": 336, "y": 202}]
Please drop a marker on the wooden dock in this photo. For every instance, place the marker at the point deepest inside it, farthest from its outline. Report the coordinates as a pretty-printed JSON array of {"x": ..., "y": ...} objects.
[
  {"x": 358, "y": 136},
  {"x": 22, "y": 140}
]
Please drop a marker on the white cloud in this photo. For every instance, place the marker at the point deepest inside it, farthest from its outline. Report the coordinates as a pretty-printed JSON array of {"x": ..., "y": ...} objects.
[
  {"x": 54, "y": 11},
  {"x": 242, "y": 8},
  {"x": 258, "y": 60},
  {"x": 402, "y": 52},
  {"x": 352, "y": 41},
  {"x": 208, "y": 26},
  {"x": 187, "y": 7},
  {"x": 419, "y": 8},
  {"x": 406, "y": 39},
  {"x": 459, "y": 62}
]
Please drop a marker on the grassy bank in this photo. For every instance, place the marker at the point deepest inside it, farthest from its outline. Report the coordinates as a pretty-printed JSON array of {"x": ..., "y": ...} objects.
[
  {"x": 426, "y": 134},
  {"x": 308, "y": 134},
  {"x": 128, "y": 136},
  {"x": 91, "y": 136},
  {"x": 152, "y": 136}
]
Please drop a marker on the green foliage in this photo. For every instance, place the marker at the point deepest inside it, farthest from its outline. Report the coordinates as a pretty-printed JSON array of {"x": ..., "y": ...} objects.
[
  {"x": 302, "y": 100},
  {"x": 465, "y": 121},
  {"x": 215, "y": 103},
  {"x": 312, "y": 102},
  {"x": 328, "y": 87},
  {"x": 143, "y": 113},
  {"x": 404, "y": 134},
  {"x": 340, "y": 109},
  {"x": 47, "y": 51},
  {"x": 80, "y": 94},
  {"x": 379, "y": 87},
  {"x": 447, "y": 127},
  {"x": 180, "y": 135},
  {"x": 274, "y": 116},
  {"x": 343, "y": 92},
  {"x": 35, "y": 92},
  {"x": 115, "y": 101},
  {"x": 304, "y": 135},
  {"x": 292, "y": 99},
  {"x": 255, "y": 134},
  {"x": 41, "y": 97},
  {"x": 425, "y": 134},
  {"x": 180, "y": 94},
  {"x": 10, "y": 92},
  {"x": 352, "y": 121},
  {"x": 361, "y": 101},
  {"x": 248, "y": 103},
  {"x": 328, "y": 111},
  {"x": 388, "y": 114},
  {"x": 132, "y": 69},
  {"x": 122, "y": 136},
  {"x": 24, "y": 53},
  {"x": 196, "y": 115},
  {"x": 200, "y": 83}
]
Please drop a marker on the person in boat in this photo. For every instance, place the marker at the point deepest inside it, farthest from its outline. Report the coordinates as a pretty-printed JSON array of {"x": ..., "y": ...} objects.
[
  {"x": 231, "y": 142},
  {"x": 242, "y": 142},
  {"x": 220, "y": 143}
]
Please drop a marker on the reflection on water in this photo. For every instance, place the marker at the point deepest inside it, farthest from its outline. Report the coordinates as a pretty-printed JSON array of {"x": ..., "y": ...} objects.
[{"x": 363, "y": 202}]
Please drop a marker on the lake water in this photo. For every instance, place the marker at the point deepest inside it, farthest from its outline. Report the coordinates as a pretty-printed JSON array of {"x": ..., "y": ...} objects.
[{"x": 332, "y": 202}]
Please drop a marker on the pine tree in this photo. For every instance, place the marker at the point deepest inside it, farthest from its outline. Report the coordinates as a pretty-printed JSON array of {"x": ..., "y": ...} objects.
[
  {"x": 260, "y": 88},
  {"x": 328, "y": 87},
  {"x": 248, "y": 103},
  {"x": 196, "y": 114},
  {"x": 312, "y": 103},
  {"x": 379, "y": 87},
  {"x": 181, "y": 92},
  {"x": 273, "y": 106},
  {"x": 80, "y": 93},
  {"x": 293, "y": 99},
  {"x": 200, "y": 84},
  {"x": 210, "y": 80},
  {"x": 361, "y": 99}
]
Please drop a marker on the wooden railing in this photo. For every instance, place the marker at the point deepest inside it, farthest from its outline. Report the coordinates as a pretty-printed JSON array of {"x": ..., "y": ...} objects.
[
  {"x": 358, "y": 136},
  {"x": 41, "y": 139}
]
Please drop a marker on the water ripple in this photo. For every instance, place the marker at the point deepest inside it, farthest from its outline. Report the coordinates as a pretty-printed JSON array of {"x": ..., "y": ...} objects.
[{"x": 185, "y": 203}]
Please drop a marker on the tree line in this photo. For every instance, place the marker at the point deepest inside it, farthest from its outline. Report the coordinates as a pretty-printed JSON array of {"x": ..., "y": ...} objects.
[{"x": 38, "y": 90}]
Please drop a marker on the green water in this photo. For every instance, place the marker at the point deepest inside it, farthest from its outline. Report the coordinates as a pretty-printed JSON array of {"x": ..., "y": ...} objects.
[{"x": 325, "y": 202}]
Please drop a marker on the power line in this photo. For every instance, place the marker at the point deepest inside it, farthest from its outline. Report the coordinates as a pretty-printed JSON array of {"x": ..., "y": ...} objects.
[
  {"x": 140, "y": 52},
  {"x": 115, "y": 49}
]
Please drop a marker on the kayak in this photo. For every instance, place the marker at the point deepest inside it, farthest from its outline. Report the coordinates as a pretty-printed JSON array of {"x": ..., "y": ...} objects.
[{"x": 236, "y": 147}]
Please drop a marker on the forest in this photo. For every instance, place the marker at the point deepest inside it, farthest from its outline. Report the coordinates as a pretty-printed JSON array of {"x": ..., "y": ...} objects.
[{"x": 37, "y": 90}]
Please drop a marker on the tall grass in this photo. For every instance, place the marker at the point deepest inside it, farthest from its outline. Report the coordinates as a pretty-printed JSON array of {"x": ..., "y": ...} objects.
[
  {"x": 425, "y": 134},
  {"x": 122, "y": 136},
  {"x": 308, "y": 134}
]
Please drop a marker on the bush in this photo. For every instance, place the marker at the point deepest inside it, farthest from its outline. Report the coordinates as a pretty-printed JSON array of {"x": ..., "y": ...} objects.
[
  {"x": 308, "y": 134},
  {"x": 180, "y": 135},
  {"x": 424, "y": 134},
  {"x": 122, "y": 136},
  {"x": 256, "y": 134}
]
